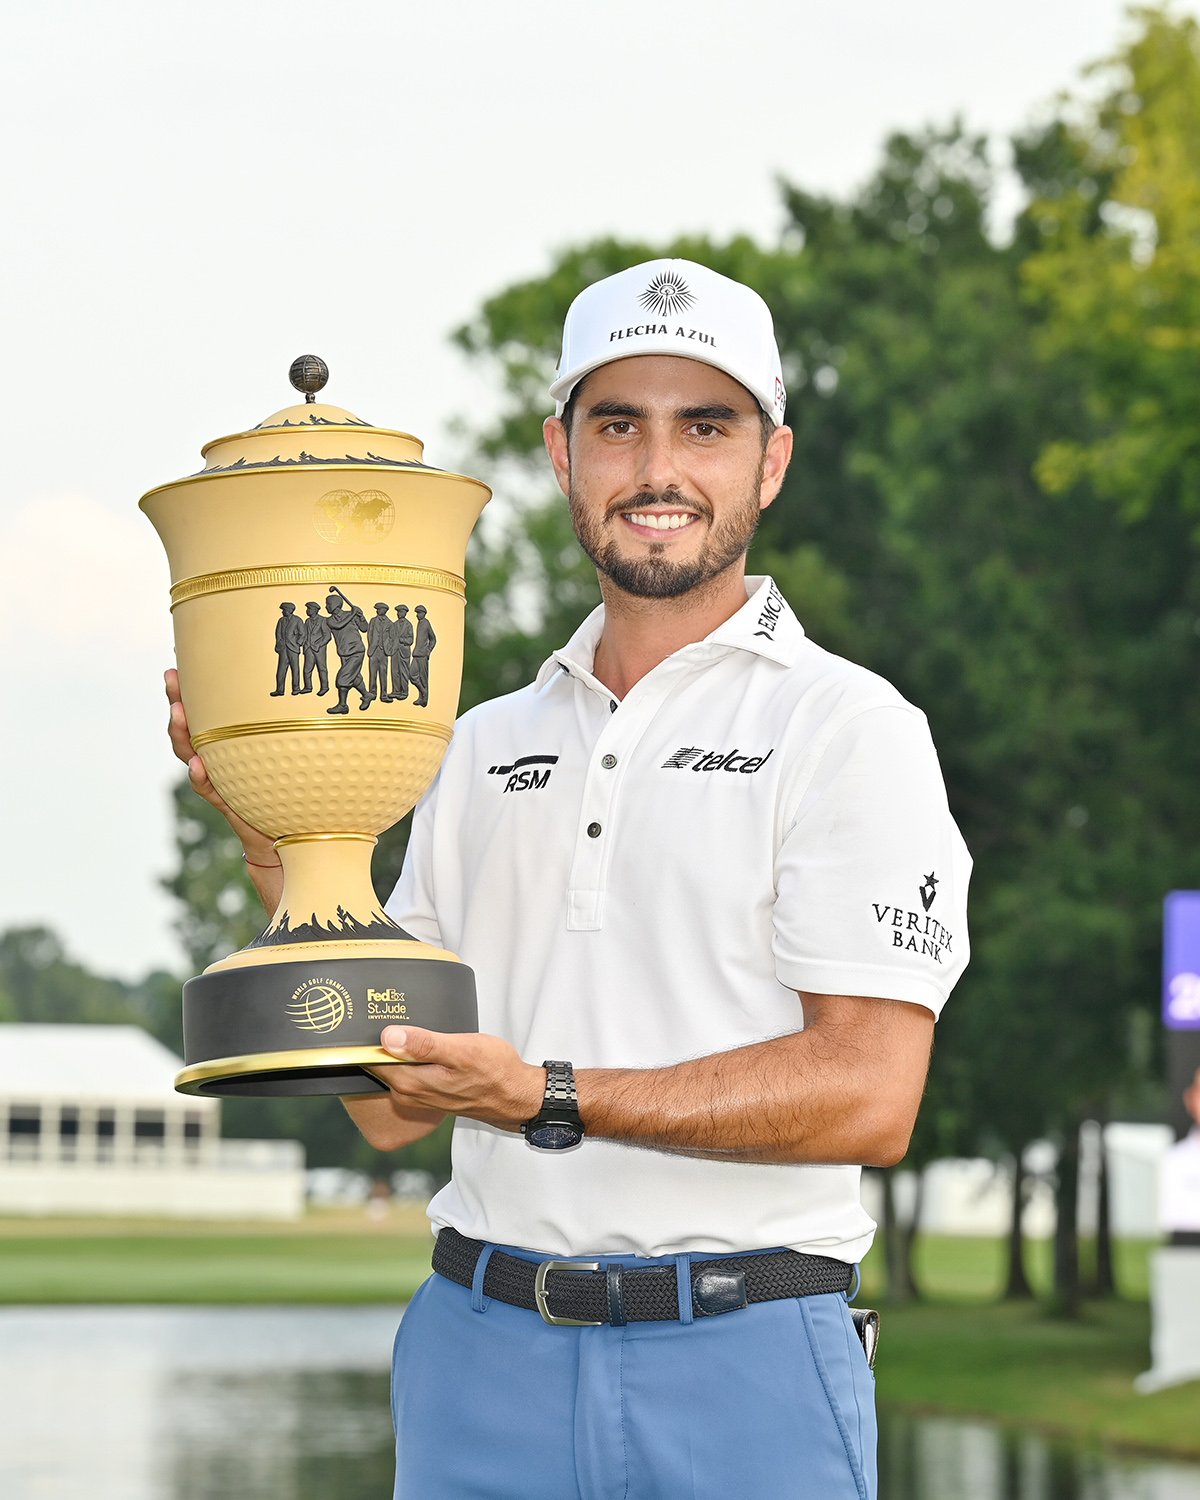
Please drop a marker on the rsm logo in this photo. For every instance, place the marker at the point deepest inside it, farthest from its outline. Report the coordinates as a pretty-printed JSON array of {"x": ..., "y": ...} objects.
[{"x": 523, "y": 775}]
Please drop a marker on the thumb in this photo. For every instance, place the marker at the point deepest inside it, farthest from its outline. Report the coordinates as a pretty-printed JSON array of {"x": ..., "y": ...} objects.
[{"x": 409, "y": 1043}]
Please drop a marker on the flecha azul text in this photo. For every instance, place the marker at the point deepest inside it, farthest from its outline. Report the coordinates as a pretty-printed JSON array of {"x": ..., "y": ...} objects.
[{"x": 641, "y": 330}]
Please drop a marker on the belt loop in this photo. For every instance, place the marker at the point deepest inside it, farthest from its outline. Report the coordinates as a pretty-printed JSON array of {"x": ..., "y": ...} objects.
[
  {"x": 479, "y": 1303},
  {"x": 616, "y": 1298},
  {"x": 854, "y": 1290},
  {"x": 683, "y": 1285}
]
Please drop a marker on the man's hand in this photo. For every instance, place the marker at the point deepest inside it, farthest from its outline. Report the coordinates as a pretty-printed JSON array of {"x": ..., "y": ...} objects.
[
  {"x": 461, "y": 1073},
  {"x": 264, "y": 867}
]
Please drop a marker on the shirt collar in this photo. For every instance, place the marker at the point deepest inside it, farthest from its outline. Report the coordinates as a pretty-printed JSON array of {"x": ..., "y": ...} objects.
[{"x": 765, "y": 625}]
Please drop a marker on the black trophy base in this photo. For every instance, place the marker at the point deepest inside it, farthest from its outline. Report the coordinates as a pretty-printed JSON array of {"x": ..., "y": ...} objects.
[{"x": 290, "y": 1029}]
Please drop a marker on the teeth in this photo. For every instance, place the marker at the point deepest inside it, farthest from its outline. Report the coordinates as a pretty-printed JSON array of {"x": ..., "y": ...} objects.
[{"x": 654, "y": 522}]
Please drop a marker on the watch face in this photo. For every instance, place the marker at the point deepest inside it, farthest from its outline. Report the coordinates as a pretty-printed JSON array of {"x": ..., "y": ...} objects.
[{"x": 554, "y": 1135}]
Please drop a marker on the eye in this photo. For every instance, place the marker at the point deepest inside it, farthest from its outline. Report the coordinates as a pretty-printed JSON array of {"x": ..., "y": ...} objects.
[
  {"x": 620, "y": 426},
  {"x": 705, "y": 429}
]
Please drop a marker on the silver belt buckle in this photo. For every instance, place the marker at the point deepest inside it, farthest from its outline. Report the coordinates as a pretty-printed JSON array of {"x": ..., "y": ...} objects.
[{"x": 542, "y": 1297}]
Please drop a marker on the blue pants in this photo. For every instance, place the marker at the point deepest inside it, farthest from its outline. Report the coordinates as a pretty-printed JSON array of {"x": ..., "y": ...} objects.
[{"x": 770, "y": 1402}]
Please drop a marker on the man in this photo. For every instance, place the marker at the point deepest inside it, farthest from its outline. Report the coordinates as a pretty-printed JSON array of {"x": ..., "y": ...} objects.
[
  {"x": 348, "y": 625},
  {"x": 728, "y": 915},
  {"x": 1179, "y": 1179},
  {"x": 400, "y": 652},
  {"x": 379, "y": 639},
  {"x": 422, "y": 649},
  {"x": 317, "y": 636},
  {"x": 289, "y": 637}
]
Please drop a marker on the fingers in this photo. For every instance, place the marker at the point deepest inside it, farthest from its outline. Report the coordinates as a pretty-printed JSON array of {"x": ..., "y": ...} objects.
[
  {"x": 410, "y": 1043},
  {"x": 177, "y": 724},
  {"x": 181, "y": 742},
  {"x": 259, "y": 846}
]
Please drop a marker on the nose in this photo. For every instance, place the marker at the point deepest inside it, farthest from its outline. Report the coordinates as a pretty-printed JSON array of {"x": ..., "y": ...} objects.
[{"x": 658, "y": 466}]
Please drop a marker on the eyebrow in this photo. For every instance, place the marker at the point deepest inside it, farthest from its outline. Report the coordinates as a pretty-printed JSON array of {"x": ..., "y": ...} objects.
[{"x": 718, "y": 412}]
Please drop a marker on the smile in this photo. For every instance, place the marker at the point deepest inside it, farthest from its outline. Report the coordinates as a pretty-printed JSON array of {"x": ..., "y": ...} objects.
[{"x": 657, "y": 521}]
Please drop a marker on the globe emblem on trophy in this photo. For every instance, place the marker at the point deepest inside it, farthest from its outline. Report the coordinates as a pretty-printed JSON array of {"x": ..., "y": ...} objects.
[
  {"x": 342, "y": 514},
  {"x": 319, "y": 1007},
  {"x": 318, "y": 601}
]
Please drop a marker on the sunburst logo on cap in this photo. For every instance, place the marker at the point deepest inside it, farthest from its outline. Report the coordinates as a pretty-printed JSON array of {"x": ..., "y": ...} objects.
[{"x": 667, "y": 295}]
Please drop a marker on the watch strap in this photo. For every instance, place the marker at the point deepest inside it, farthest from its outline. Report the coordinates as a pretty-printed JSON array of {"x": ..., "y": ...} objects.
[
  {"x": 560, "y": 1101},
  {"x": 560, "y": 1087}
]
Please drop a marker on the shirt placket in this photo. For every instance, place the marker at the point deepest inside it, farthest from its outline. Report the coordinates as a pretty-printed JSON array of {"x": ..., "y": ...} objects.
[{"x": 598, "y": 818}]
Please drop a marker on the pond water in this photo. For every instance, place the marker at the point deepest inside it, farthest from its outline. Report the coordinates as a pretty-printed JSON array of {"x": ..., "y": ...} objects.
[{"x": 145, "y": 1403}]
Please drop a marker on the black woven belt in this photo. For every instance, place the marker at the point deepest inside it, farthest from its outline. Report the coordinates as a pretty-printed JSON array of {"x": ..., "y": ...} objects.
[{"x": 583, "y": 1292}]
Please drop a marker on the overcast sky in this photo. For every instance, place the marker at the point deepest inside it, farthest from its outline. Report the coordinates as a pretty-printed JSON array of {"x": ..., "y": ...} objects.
[{"x": 195, "y": 194}]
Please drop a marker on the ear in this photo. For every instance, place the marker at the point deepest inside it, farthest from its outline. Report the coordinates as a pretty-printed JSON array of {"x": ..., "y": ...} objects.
[
  {"x": 555, "y": 435},
  {"x": 775, "y": 465}
]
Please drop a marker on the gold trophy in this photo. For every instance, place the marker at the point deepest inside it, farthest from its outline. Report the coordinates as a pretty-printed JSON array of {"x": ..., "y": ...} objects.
[{"x": 318, "y": 598}]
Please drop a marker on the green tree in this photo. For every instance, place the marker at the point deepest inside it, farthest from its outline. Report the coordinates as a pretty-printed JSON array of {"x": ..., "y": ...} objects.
[
  {"x": 1118, "y": 269},
  {"x": 41, "y": 984}
]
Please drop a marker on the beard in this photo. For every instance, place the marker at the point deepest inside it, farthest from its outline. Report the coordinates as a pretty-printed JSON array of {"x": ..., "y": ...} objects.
[{"x": 657, "y": 575}]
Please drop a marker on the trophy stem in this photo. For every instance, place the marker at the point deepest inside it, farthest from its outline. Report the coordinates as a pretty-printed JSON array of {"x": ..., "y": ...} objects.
[
  {"x": 300, "y": 1009},
  {"x": 327, "y": 891}
]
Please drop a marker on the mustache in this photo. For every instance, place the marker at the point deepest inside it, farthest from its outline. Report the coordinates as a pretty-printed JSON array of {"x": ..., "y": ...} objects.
[{"x": 669, "y": 498}]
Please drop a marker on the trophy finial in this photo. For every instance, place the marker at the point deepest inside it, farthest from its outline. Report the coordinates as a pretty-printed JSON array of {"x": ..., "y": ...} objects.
[{"x": 309, "y": 374}]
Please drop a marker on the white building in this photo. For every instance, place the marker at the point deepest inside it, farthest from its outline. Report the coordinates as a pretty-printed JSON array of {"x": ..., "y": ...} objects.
[
  {"x": 974, "y": 1197},
  {"x": 90, "y": 1123}
]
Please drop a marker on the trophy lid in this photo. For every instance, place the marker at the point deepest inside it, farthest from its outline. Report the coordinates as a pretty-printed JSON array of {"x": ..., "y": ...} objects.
[
  {"x": 312, "y": 437},
  {"x": 313, "y": 433}
]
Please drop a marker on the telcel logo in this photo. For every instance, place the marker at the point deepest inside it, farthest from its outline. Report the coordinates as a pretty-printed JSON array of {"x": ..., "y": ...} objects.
[{"x": 694, "y": 758}]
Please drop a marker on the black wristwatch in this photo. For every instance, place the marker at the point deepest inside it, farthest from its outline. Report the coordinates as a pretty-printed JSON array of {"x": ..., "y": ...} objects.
[{"x": 556, "y": 1126}]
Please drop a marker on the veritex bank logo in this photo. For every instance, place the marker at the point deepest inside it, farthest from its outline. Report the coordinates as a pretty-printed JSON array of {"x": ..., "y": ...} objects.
[
  {"x": 917, "y": 931},
  {"x": 524, "y": 774},
  {"x": 693, "y": 758}
]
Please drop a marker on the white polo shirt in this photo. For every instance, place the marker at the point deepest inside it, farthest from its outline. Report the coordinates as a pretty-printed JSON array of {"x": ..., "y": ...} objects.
[
  {"x": 642, "y": 882},
  {"x": 1179, "y": 1185}
]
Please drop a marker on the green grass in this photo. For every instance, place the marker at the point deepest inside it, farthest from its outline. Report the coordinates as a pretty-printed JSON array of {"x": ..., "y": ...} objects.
[
  {"x": 958, "y": 1351},
  {"x": 325, "y": 1258},
  {"x": 950, "y": 1267},
  {"x": 1012, "y": 1363}
]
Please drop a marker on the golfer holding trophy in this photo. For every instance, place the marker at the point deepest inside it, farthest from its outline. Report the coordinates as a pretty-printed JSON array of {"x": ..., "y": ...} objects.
[{"x": 714, "y": 900}]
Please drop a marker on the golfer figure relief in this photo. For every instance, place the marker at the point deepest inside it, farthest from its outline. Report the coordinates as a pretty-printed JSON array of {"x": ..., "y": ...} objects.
[
  {"x": 379, "y": 632},
  {"x": 400, "y": 652},
  {"x": 348, "y": 625},
  {"x": 397, "y": 649},
  {"x": 317, "y": 636},
  {"x": 289, "y": 637},
  {"x": 422, "y": 649}
]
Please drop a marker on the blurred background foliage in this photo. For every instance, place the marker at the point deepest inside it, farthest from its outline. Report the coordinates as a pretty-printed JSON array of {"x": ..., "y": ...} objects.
[{"x": 995, "y": 503}]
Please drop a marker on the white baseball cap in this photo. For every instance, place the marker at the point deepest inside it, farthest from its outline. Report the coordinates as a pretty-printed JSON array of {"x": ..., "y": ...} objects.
[{"x": 673, "y": 307}]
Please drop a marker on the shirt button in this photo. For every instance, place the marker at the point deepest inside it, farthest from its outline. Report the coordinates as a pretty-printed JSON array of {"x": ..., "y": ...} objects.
[
  {"x": 594, "y": 830},
  {"x": 609, "y": 762}
]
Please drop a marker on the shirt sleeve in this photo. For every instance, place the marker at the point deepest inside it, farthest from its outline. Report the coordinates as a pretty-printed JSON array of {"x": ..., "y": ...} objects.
[
  {"x": 871, "y": 874},
  {"x": 411, "y": 904}
]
